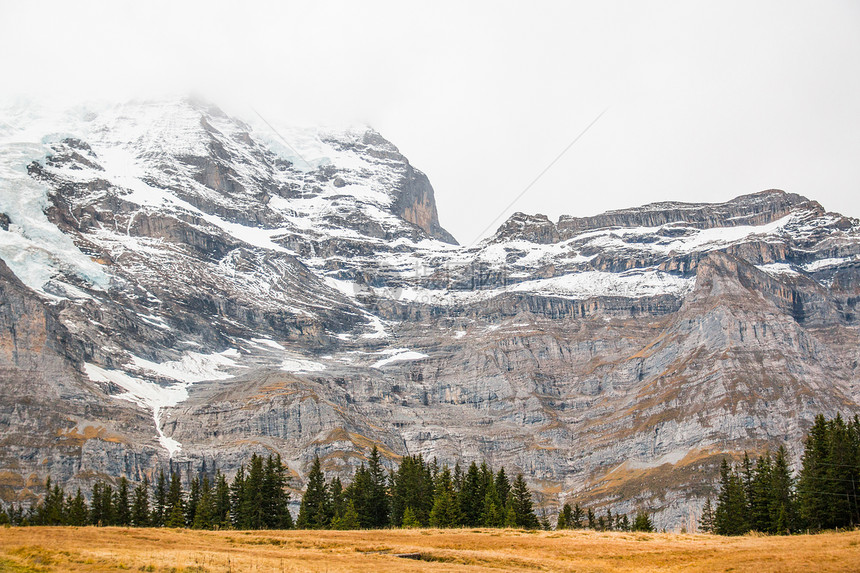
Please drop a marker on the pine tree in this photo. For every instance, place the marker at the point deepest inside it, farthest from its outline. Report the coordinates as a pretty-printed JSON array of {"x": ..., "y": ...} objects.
[
  {"x": 159, "y": 507},
  {"x": 781, "y": 501},
  {"x": 469, "y": 497},
  {"x": 610, "y": 521},
  {"x": 96, "y": 505},
  {"x": 642, "y": 522},
  {"x": 577, "y": 517},
  {"x": 192, "y": 501},
  {"x": 493, "y": 513},
  {"x": 746, "y": 476},
  {"x": 140, "y": 515},
  {"x": 204, "y": 514},
  {"x": 510, "y": 513},
  {"x": 445, "y": 512},
  {"x": 503, "y": 485},
  {"x": 175, "y": 507},
  {"x": 252, "y": 495},
  {"x": 592, "y": 520},
  {"x": 222, "y": 501},
  {"x": 122, "y": 511},
  {"x": 706, "y": 521},
  {"x": 276, "y": 498},
  {"x": 377, "y": 500},
  {"x": 409, "y": 519},
  {"x": 523, "y": 508},
  {"x": 412, "y": 486},
  {"x": 237, "y": 500},
  {"x": 51, "y": 511},
  {"x": 313, "y": 513},
  {"x": 759, "y": 505},
  {"x": 730, "y": 515},
  {"x": 565, "y": 517},
  {"x": 813, "y": 488},
  {"x": 76, "y": 509},
  {"x": 336, "y": 498},
  {"x": 108, "y": 505},
  {"x": 176, "y": 517},
  {"x": 349, "y": 519}
]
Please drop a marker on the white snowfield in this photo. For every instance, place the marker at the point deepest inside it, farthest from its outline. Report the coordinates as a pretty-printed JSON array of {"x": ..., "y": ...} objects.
[
  {"x": 299, "y": 365},
  {"x": 398, "y": 355}
]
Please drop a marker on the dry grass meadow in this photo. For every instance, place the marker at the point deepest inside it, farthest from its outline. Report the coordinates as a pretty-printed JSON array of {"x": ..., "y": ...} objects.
[{"x": 119, "y": 549}]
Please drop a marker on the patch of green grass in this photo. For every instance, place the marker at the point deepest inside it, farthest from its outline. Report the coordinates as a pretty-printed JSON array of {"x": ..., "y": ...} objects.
[{"x": 7, "y": 565}]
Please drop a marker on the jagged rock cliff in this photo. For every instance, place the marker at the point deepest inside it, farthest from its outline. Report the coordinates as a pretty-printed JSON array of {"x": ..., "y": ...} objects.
[{"x": 181, "y": 287}]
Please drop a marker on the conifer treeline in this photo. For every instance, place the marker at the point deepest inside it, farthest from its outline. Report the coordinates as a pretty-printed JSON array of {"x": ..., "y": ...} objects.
[
  {"x": 417, "y": 494},
  {"x": 577, "y": 518},
  {"x": 767, "y": 497},
  {"x": 257, "y": 498}
]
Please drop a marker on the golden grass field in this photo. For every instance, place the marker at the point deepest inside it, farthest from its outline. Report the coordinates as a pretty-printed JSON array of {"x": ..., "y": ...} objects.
[{"x": 119, "y": 549}]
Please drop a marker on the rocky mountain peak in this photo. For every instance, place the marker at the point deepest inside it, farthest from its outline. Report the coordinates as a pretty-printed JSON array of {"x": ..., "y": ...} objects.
[
  {"x": 182, "y": 288},
  {"x": 754, "y": 209}
]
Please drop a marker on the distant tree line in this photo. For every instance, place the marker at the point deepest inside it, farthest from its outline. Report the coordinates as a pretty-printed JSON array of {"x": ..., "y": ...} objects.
[
  {"x": 257, "y": 498},
  {"x": 416, "y": 494},
  {"x": 578, "y": 518},
  {"x": 765, "y": 496}
]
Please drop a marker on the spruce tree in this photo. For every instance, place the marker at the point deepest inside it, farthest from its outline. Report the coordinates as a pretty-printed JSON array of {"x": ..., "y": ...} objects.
[
  {"x": 175, "y": 508},
  {"x": 237, "y": 500},
  {"x": 503, "y": 485},
  {"x": 192, "y": 501},
  {"x": 730, "y": 515},
  {"x": 252, "y": 495},
  {"x": 642, "y": 522},
  {"x": 781, "y": 502},
  {"x": 349, "y": 519},
  {"x": 377, "y": 500},
  {"x": 493, "y": 513},
  {"x": 446, "y": 511},
  {"x": 409, "y": 520},
  {"x": 706, "y": 521},
  {"x": 759, "y": 505},
  {"x": 313, "y": 513},
  {"x": 122, "y": 509},
  {"x": 813, "y": 488},
  {"x": 469, "y": 497},
  {"x": 565, "y": 517},
  {"x": 204, "y": 514},
  {"x": 159, "y": 507},
  {"x": 222, "y": 501},
  {"x": 108, "y": 506},
  {"x": 523, "y": 507},
  {"x": 140, "y": 514},
  {"x": 577, "y": 518},
  {"x": 77, "y": 509},
  {"x": 276, "y": 498}
]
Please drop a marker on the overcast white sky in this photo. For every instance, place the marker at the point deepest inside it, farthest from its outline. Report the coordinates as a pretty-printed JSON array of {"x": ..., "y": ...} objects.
[{"x": 707, "y": 100}]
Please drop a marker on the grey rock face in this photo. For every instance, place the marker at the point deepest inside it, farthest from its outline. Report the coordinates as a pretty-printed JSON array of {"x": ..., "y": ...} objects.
[{"x": 204, "y": 293}]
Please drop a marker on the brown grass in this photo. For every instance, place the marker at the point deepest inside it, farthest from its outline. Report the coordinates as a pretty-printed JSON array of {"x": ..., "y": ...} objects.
[{"x": 114, "y": 549}]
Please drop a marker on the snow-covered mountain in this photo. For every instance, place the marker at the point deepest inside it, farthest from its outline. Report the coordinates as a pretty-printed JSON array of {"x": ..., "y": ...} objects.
[{"x": 180, "y": 286}]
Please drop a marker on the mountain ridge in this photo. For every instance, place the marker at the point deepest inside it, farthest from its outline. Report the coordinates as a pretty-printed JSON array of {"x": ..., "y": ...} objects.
[{"x": 207, "y": 291}]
